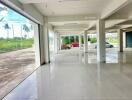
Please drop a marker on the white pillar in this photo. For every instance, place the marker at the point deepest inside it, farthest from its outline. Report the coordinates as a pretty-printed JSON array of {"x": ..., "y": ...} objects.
[
  {"x": 80, "y": 41},
  {"x": 101, "y": 53},
  {"x": 37, "y": 45},
  {"x": 120, "y": 40},
  {"x": 41, "y": 41},
  {"x": 75, "y": 38},
  {"x": 69, "y": 39},
  {"x": 85, "y": 42},
  {"x": 86, "y": 58},
  {"x": 59, "y": 42},
  {"x": 56, "y": 42},
  {"x": 124, "y": 40},
  {"x": 46, "y": 41}
]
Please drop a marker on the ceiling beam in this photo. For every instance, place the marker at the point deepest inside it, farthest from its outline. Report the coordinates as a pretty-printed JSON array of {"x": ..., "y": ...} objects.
[
  {"x": 72, "y": 18},
  {"x": 83, "y": 26},
  {"x": 69, "y": 32},
  {"x": 128, "y": 22},
  {"x": 128, "y": 29},
  {"x": 111, "y": 23},
  {"x": 91, "y": 25},
  {"x": 124, "y": 22},
  {"x": 113, "y": 7},
  {"x": 31, "y": 1}
]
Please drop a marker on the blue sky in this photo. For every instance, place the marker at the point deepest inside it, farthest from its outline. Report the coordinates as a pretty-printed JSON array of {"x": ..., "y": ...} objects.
[
  {"x": 13, "y": 16},
  {"x": 10, "y": 15},
  {"x": 15, "y": 22}
]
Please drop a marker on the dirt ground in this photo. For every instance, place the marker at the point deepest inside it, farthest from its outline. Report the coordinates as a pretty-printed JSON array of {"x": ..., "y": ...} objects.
[{"x": 15, "y": 66}]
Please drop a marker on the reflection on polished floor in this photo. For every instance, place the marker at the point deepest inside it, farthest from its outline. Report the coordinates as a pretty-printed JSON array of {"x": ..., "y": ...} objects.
[{"x": 73, "y": 76}]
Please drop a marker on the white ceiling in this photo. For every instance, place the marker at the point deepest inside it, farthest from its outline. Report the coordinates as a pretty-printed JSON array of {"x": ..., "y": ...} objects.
[
  {"x": 70, "y": 23},
  {"x": 69, "y": 7},
  {"x": 123, "y": 13},
  {"x": 78, "y": 15},
  {"x": 123, "y": 17}
]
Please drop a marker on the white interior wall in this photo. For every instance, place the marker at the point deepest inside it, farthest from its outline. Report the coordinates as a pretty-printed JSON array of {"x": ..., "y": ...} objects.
[{"x": 56, "y": 38}]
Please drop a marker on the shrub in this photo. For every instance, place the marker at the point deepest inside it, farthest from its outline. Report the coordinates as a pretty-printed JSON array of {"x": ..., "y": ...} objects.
[
  {"x": 65, "y": 40},
  {"x": 93, "y": 40}
]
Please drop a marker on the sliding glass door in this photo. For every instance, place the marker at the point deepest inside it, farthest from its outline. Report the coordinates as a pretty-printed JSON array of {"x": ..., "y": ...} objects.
[{"x": 17, "y": 48}]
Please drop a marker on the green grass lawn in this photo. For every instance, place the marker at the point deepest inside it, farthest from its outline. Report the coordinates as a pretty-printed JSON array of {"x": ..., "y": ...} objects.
[{"x": 7, "y": 45}]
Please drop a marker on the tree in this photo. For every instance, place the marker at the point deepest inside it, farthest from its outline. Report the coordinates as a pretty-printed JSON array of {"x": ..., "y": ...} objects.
[
  {"x": 1, "y": 10},
  {"x": 7, "y": 27},
  {"x": 1, "y": 19},
  {"x": 27, "y": 30},
  {"x": 65, "y": 40}
]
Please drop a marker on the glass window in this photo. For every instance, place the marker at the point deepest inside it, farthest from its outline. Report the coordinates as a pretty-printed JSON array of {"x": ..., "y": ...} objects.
[{"x": 17, "y": 53}]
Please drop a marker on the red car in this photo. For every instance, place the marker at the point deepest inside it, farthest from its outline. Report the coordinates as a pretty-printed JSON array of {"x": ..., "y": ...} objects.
[{"x": 75, "y": 44}]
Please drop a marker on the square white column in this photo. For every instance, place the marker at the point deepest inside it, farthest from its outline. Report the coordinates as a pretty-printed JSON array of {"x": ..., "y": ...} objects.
[
  {"x": 101, "y": 52},
  {"x": 75, "y": 38},
  {"x": 59, "y": 42},
  {"x": 120, "y": 32},
  {"x": 38, "y": 46},
  {"x": 80, "y": 41},
  {"x": 56, "y": 38},
  {"x": 46, "y": 40},
  {"x": 85, "y": 42}
]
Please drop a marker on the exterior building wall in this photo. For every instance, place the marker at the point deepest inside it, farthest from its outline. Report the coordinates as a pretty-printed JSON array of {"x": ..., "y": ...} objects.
[{"x": 128, "y": 39}]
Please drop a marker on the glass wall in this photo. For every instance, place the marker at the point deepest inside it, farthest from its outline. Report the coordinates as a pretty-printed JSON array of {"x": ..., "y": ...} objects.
[{"x": 17, "y": 53}]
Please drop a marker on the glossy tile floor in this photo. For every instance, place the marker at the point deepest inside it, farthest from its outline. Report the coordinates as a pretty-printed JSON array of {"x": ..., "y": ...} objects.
[{"x": 73, "y": 76}]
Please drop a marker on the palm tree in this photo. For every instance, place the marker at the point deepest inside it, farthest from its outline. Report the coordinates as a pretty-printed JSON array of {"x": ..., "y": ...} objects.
[
  {"x": 7, "y": 27},
  {"x": 27, "y": 30},
  {"x": 1, "y": 19},
  {"x": 1, "y": 10}
]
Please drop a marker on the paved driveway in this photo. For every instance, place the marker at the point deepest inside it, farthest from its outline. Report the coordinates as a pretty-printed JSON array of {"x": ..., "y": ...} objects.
[{"x": 14, "y": 67}]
